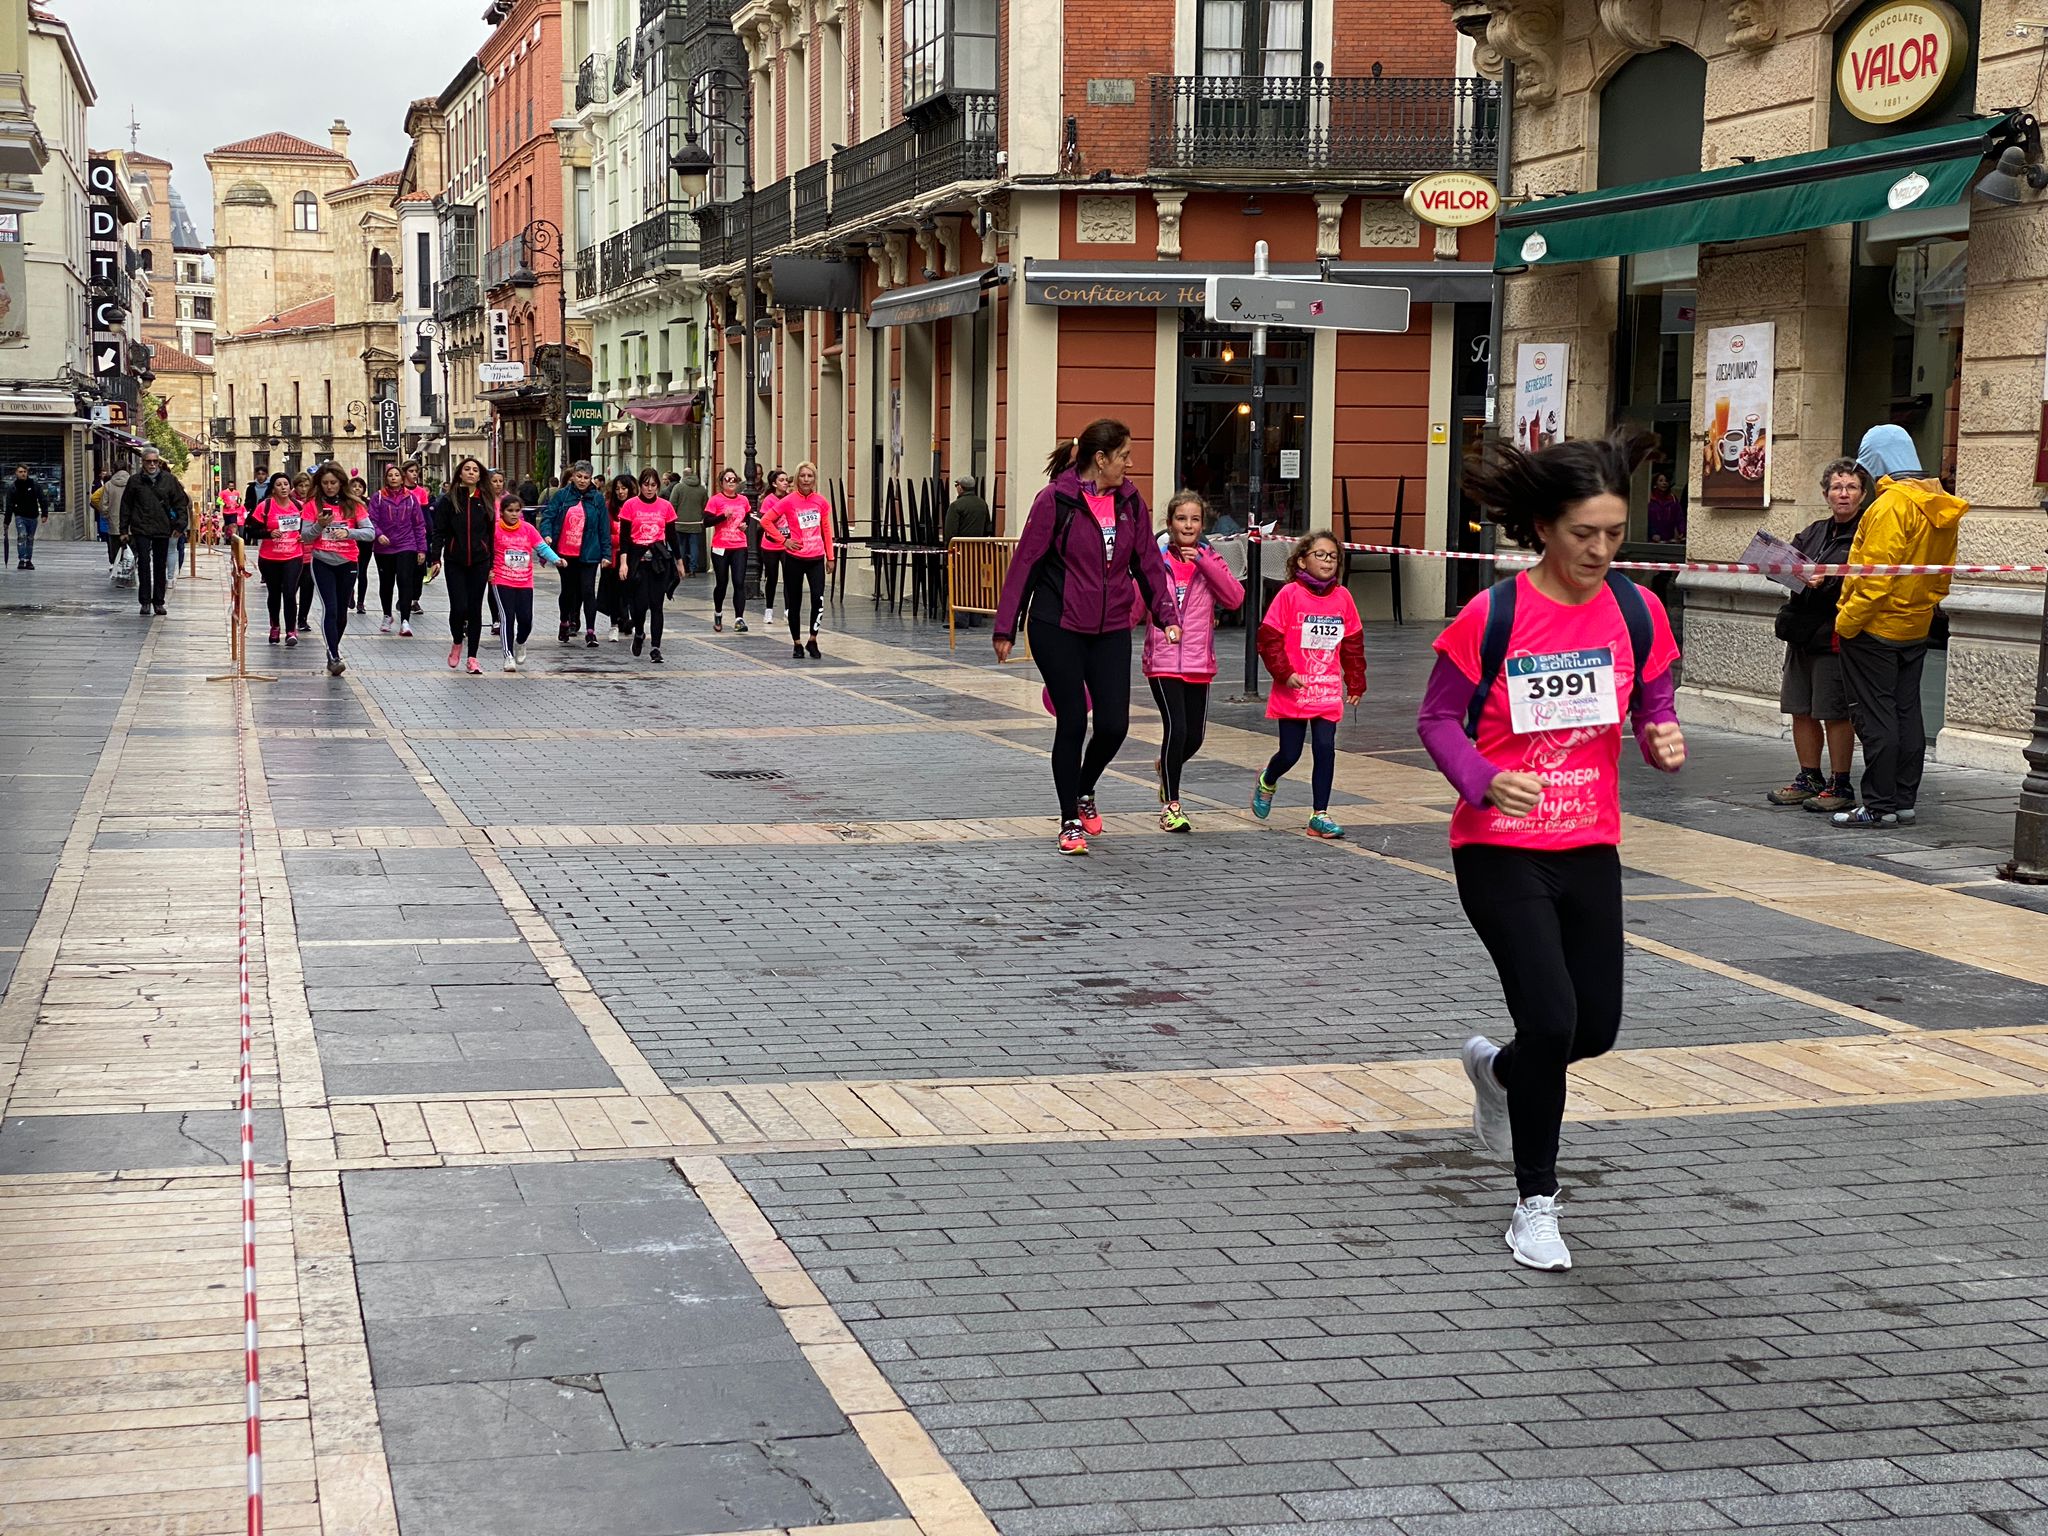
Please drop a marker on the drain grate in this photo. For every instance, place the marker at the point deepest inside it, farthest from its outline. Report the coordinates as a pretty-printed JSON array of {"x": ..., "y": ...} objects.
[{"x": 744, "y": 775}]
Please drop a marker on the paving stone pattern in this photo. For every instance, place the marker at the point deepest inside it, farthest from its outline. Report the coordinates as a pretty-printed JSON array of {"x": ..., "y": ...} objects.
[
  {"x": 437, "y": 1014},
  {"x": 574, "y": 1346},
  {"x": 634, "y": 701},
  {"x": 930, "y": 960},
  {"x": 1817, "y": 1322}
]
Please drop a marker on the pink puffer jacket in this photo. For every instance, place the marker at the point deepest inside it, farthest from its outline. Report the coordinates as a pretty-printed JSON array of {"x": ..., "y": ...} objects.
[{"x": 1198, "y": 600}]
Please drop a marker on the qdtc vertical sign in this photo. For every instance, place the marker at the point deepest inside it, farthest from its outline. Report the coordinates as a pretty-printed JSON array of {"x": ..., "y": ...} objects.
[{"x": 103, "y": 223}]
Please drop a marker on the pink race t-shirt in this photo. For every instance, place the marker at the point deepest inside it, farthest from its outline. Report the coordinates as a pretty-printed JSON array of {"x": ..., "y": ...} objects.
[
  {"x": 336, "y": 542},
  {"x": 1580, "y": 767},
  {"x": 512, "y": 554},
  {"x": 806, "y": 524},
  {"x": 732, "y": 533},
  {"x": 647, "y": 521},
  {"x": 1103, "y": 505},
  {"x": 1313, "y": 628},
  {"x": 770, "y": 538},
  {"x": 419, "y": 494},
  {"x": 572, "y": 530}
]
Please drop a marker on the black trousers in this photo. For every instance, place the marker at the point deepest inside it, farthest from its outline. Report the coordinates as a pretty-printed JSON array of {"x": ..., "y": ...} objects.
[
  {"x": 515, "y": 610},
  {"x": 731, "y": 565},
  {"x": 466, "y": 585},
  {"x": 577, "y": 604},
  {"x": 336, "y": 585},
  {"x": 1883, "y": 679},
  {"x": 400, "y": 572},
  {"x": 152, "y": 555},
  {"x": 771, "y": 567},
  {"x": 796, "y": 569},
  {"x": 1552, "y": 922},
  {"x": 1322, "y": 737},
  {"x": 305, "y": 594},
  {"x": 361, "y": 583},
  {"x": 1184, "y": 720},
  {"x": 647, "y": 591},
  {"x": 281, "y": 583},
  {"x": 1080, "y": 671}
]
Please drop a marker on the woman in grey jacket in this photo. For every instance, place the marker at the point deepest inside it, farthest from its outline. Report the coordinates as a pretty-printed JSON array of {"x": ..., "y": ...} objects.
[{"x": 341, "y": 527}]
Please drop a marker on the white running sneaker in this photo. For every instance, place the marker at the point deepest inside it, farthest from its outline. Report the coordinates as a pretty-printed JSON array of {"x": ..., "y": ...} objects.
[
  {"x": 1533, "y": 1236},
  {"x": 1489, "y": 1099},
  {"x": 510, "y": 665},
  {"x": 385, "y": 627},
  {"x": 519, "y": 653},
  {"x": 405, "y": 628}
]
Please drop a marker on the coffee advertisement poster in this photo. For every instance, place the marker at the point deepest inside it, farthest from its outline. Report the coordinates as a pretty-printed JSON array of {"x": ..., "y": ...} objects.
[{"x": 1735, "y": 441}]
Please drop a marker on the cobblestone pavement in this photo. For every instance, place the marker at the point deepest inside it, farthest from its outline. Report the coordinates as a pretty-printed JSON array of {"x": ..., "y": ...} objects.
[{"x": 698, "y": 1102}]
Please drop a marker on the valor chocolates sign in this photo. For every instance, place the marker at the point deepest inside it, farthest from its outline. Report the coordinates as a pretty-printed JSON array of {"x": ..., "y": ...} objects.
[{"x": 1900, "y": 58}]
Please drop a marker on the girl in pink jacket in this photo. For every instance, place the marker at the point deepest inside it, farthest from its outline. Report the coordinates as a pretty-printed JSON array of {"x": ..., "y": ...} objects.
[{"x": 1180, "y": 673}]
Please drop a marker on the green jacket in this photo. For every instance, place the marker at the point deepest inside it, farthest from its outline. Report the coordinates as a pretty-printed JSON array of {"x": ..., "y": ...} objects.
[
  {"x": 967, "y": 518},
  {"x": 688, "y": 498}
]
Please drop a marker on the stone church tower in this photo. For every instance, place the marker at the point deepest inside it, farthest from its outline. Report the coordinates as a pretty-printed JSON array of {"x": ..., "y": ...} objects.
[{"x": 274, "y": 235}]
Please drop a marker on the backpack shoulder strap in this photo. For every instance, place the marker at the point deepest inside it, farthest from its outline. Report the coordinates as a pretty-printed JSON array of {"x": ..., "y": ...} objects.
[
  {"x": 1635, "y": 613},
  {"x": 1493, "y": 648}
]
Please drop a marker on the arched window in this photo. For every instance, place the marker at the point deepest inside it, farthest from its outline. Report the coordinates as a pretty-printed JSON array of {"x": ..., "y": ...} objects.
[
  {"x": 148, "y": 259},
  {"x": 306, "y": 213},
  {"x": 383, "y": 279}
]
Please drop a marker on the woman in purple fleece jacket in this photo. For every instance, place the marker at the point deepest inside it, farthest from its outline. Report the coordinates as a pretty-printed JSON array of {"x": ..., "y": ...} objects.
[
  {"x": 1085, "y": 553},
  {"x": 401, "y": 547},
  {"x": 1534, "y": 837}
]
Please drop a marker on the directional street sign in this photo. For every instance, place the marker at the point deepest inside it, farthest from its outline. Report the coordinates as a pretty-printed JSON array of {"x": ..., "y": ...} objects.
[
  {"x": 106, "y": 359},
  {"x": 1304, "y": 304}
]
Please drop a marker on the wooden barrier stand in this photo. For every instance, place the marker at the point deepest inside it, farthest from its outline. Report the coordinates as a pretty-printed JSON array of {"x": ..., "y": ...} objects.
[
  {"x": 975, "y": 571},
  {"x": 238, "y": 619}
]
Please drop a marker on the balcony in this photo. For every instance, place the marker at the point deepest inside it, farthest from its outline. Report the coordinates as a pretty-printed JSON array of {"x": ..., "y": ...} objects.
[
  {"x": 259, "y": 426},
  {"x": 456, "y": 296},
  {"x": 1319, "y": 123},
  {"x": 661, "y": 243},
  {"x": 501, "y": 261},
  {"x": 614, "y": 262},
  {"x": 222, "y": 427},
  {"x": 323, "y": 429},
  {"x": 622, "y": 67},
  {"x": 591, "y": 84},
  {"x": 288, "y": 426},
  {"x": 586, "y": 273},
  {"x": 812, "y": 214},
  {"x": 914, "y": 158}
]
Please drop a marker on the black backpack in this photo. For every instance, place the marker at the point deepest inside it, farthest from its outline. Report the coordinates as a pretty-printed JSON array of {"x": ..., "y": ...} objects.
[{"x": 1500, "y": 625}]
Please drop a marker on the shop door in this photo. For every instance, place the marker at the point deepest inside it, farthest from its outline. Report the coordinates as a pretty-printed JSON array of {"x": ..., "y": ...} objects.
[{"x": 1214, "y": 455}]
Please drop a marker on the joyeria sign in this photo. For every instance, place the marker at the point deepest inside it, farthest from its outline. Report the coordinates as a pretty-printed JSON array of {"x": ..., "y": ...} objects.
[
  {"x": 1899, "y": 59},
  {"x": 1453, "y": 199}
]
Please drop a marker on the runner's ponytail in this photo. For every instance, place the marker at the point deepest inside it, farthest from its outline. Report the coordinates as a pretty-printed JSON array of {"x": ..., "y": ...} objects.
[{"x": 1525, "y": 492}]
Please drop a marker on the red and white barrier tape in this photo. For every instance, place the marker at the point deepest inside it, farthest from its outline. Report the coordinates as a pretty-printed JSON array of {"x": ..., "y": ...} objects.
[
  {"x": 251, "y": 1375},
  {"x": 1726, "y": 567}
]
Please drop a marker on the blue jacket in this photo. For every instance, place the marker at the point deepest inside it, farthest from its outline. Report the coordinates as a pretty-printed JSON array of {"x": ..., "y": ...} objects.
[{"x": 597, "y": 523}]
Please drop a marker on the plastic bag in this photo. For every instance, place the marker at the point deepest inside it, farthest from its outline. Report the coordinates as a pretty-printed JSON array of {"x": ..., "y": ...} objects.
[{"x": 122, "y": 572}]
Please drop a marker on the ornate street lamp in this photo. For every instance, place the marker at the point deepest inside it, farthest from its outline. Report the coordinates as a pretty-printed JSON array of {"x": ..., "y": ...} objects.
[{"x": 544, "y": 237}]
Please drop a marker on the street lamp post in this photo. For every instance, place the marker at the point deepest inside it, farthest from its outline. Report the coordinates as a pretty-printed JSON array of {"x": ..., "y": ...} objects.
[
  {"x": 423, "y": 363},
  {"x": 2029, "y": 863},
  {"x": 693, "y": 164},
  {"x": 543, "y": 236}
]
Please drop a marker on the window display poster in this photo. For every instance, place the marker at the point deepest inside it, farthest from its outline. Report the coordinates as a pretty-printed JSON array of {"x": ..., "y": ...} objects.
[
  {"x": 1735, "y": 443},
  {"x": 1539, "y": 394}
]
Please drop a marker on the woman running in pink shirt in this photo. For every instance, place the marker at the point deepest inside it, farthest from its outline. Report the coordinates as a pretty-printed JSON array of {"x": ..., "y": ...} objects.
[
  {"x": 727, "y": 513},
  {"x": 801, "y": 523}
]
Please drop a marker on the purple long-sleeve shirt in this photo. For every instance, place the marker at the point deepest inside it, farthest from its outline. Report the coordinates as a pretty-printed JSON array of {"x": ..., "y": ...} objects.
[
  {"x": 398, "y": 517},
  {"x": 1441, "y": 724}
]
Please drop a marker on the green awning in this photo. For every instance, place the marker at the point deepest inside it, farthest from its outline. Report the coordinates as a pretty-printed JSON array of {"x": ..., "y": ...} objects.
[{"x": 1844, "y": 185}]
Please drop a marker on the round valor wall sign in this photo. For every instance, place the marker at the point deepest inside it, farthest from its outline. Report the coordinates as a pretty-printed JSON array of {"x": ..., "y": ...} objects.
[
  {"x": 1452, "y": 199},
  {"x": 1899, "y": 58}
]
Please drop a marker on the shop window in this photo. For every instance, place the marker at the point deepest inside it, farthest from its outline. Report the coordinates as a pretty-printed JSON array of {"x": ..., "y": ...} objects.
[
  {"x": 1215, "y": 448},
  {"x": 1654, "y": 357},
  {"x": 1652, "y": 112},
  {"x": 1906, "y": 332}
]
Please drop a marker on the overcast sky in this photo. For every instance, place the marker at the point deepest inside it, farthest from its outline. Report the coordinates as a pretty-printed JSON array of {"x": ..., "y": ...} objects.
[{"x": 202, "y": 73}]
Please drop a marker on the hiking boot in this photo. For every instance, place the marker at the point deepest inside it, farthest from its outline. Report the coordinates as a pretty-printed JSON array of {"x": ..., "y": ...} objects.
[{"x": 1802, "y": 789}]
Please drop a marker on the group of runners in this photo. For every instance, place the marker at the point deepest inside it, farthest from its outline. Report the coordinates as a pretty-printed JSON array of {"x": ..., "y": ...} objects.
[
  {"x": 1523, "y": 715},
  {"x": 616, "y": 547}
]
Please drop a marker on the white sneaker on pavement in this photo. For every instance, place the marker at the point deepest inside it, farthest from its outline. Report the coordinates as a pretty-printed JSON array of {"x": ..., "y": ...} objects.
[
  {"x": 1489, "y": 1100},
  {"x": 519, "y": 653},
  {"x": 1533, "y": 1237},
  {"x": 510, "y": 665}
]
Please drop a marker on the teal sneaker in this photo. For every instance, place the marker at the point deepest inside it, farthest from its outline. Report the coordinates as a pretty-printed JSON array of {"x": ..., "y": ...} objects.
[
  {"x": 1322, "y": 825},
  {"x": 1262, "y": 797}
]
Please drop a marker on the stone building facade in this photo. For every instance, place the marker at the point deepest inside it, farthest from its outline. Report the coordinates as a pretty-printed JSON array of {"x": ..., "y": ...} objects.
[{"x": 1927, "y": 310}]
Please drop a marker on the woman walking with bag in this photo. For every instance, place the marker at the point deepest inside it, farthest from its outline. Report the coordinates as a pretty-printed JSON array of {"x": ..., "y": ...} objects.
[
  {"x": 1533, "y": 747},
  {"x": 578, "y": 525},
  {"x": 463, "y": 520},
  {"x": 1084, "y": 557}
]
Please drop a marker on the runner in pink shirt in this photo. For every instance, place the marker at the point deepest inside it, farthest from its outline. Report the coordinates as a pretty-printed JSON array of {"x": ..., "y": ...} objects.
[
  {"x": 280, "y": 555},
  {"x": 647, "y": 538},
  {"x": 727, "y": 513},
  {"x": 1523, "y": 715},
  {"x": 1313, "y": 644},
  {"x": 771, "y": 538},
  {"x": 801, "y": 523},
  {"x": 1180, "y": 671},
  {"x": 514, "y": 543}
]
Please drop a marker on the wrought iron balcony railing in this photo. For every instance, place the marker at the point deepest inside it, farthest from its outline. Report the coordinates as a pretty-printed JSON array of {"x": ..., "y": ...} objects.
[
  {"x": 1318, "y": 122},
  {"x": 456, "y": 296},
  {"x": 586, "y": 273},
  {"x": 914, "y": 158},
  {"x": 501, "y": 261},
  {"x": 666, "y": 240},
  {"x": 622, "y": 67},
  {"x": 259, "y": 426},
  {"x": 288, "y": 426},
  {"x": 614, "y": 263},
  {"x": 223, "y": 427},
  {"x": 323, "y": 428},
  {"x": 812, "y": 211},
  {"x": 591, "y": 83}
]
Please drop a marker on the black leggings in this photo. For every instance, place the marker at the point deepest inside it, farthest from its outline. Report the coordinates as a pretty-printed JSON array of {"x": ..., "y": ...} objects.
[
  {"x": 305, "y": 594},
  {"x": 647, "y": 592},
  {"x": 578, "y": 599},
  {"x": 730, "y": 564},
  {"x": 362, "y": 581},
  {"x": 1080, "y": 670},
  {"x": 336, "y": 584},
  {"x": 1184, "y": 718},
  {"x": 515, "y": 606},
  {"x": 798, "y": 569},
  {"x": 1324, "y": 736},
  {"x": 1552, "y": 922},
  {"x": 771, "y": 566},
  {"x": 466, "y": 585},
  {"x": 400, "y": 571},
  {"x": 281, "y": 582}
]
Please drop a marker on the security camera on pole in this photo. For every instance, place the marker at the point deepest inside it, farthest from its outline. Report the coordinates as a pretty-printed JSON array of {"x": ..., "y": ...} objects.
[{"x": 1306, "y": 304}]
